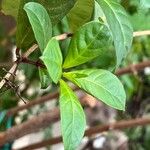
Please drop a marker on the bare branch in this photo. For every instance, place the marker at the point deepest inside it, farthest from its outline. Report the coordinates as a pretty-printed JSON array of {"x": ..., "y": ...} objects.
[
  {"x": 37, "y": 101},
  {"x": 14, "y": 67},
  {"x": 94, "y": 130},
  {"x": 63, "y": 36},
  {"x": 132, "y": 68},
  {"x": 30, "y": 50},
  {"x": 141, "y": 33},
  {"x": 8, "y": 75},
  {"x": 35, "y": 63},
  {"x": 30, "y": 126}
]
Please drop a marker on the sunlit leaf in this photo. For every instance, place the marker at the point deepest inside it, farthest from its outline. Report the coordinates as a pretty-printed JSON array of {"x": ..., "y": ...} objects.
[
  {"x": 102, "y": 84},
  {"x": 40, "y": 22},
  {"x": 72, "y": 117},
  {"x": 52, "y": 59},
  {"x": 91, "y": 40}
]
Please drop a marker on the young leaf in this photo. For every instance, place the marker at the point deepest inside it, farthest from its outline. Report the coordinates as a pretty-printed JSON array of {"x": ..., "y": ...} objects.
[
  {"x": 40, "y": 22},
  {"x": 73, "y": 121},
  {"x": 90, "y": 41},
  {"x": 102, "y": 84},
  {"x": 80, "y": 14},
  {"x": 52, "y": 59},
  {"x": 44, "y": 78},
  {"x": 120, "y": 27}
]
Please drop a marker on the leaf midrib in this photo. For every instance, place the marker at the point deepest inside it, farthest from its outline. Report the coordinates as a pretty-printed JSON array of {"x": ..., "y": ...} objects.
[
  {"x": 84, "y": 49},
  {"x": 70, "y": 95},
  {"x": 102, "y": 88},
  {"x": 44, "y": 35},
  {"x": 117, "y": 20}
]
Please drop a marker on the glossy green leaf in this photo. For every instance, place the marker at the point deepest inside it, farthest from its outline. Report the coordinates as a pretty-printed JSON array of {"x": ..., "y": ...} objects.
[
  {"x": 56, "y": 10},
  {"x": 40, "y": 22},
  {"x": 90, "y": 41},
  {"x": 120, "y": 27},
  {"x": 10, "y": 7},
  {"x": 80, "y": 14},
  {"x": 102, "y": 84},
  {"x": 44, "y": 78},
  {"x": 73, "y": 121},
  {"x": 52, "y": 59}
]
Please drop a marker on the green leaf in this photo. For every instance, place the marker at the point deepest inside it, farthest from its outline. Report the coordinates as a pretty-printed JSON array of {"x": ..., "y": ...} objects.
[
  {"x": 90, "y": 41},
  {"x": 24, "y": 35},
  {"x": 73, "y": 121},
  {"x": 52, "y": 59},
  {"x": 98, "y": 13},
  {"x": 102, "y": 84},
  {"x": 44, "y": 78},
  {"x": 120, "y": 27},
  {"x": 56, "y": 10},
  {"x": 80, "y": 14},
  {"x": 145, "y": 3},
  {"x": 41, "y": 23},
  {"x": 10, "y": 7}
]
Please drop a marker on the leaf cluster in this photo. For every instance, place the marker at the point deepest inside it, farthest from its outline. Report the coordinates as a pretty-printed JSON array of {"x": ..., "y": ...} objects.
[{"x": 100, "y": 28}]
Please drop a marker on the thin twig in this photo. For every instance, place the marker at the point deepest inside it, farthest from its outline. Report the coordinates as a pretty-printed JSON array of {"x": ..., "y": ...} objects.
[
  {"x": 14, "y": 67},
  {"x": 141, "y": 33},
  {"x": 38, "y": 101},
  {"x": 8, "y": 75},
  {"x": 133, "y": 67},
  {"x": 63, "y": 36},
  {"x": 135, "y": 34},
  {"x": 35, "y": 63},
  {"x": 30, "y": 50}
]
